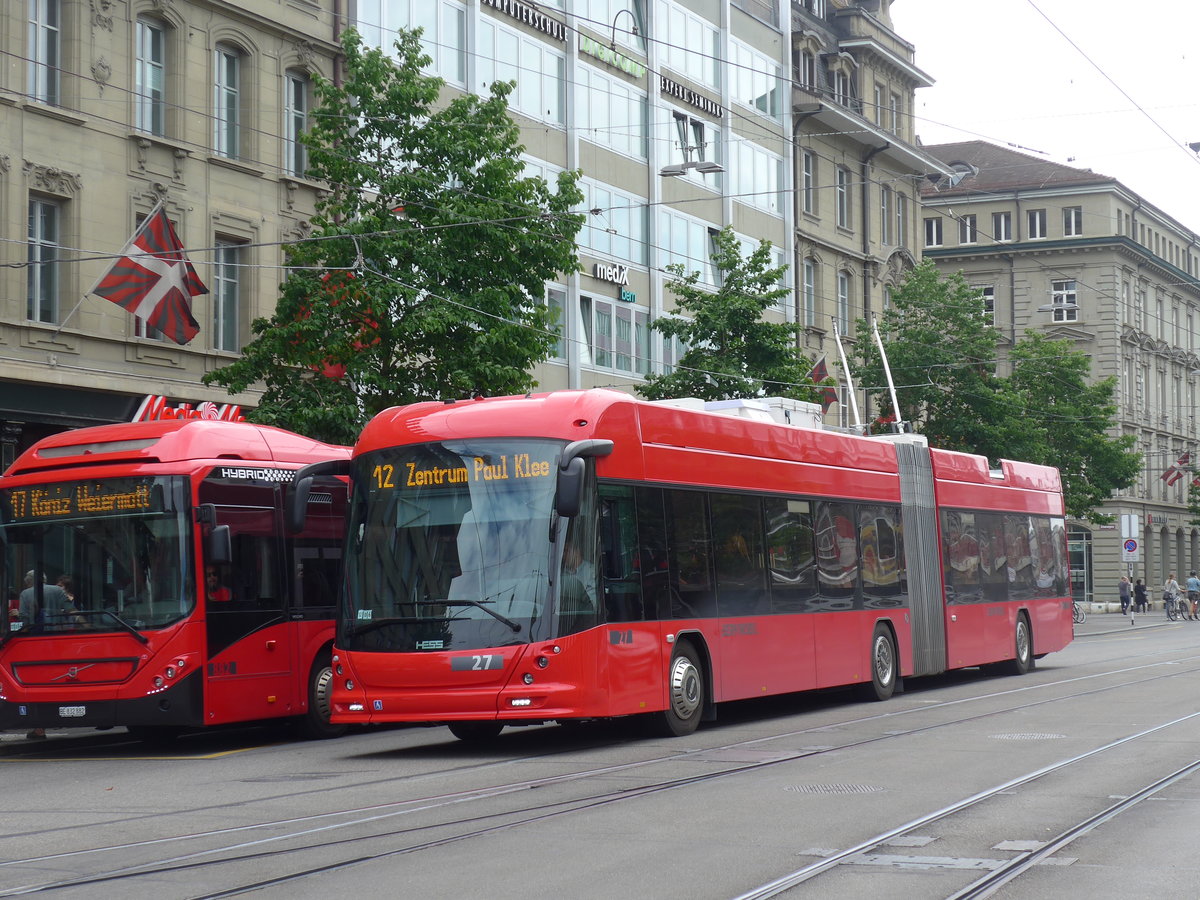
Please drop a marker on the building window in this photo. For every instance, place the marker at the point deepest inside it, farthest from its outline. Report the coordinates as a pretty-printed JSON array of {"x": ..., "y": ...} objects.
[
  {"x": 843, "y": 302},
  {"x": 843, "y": 87},
  {"x": 968, "y": 232},
  {"x": 1063, "y": 298},
  {"x": 44, "y": 50},
  {"x": 617, "y": 335},
  {"x": 443, "y": 31},
  {"x": 808, "y": 175},
  {"x": 538, "y": 69},
  {"x": 1001, "y": 226},
  {"x": 295, "y": 123},
  {"x": 987, "y": 293},
  {"x": 879, "y": 114},
  {"x": 150, "y": 78},
  {"x": 754, "y": 79},
  {"x": 806, "y": 73},
  {"x": 227, "y": 103},
  {"x": 618, "y": 231},
  {"x": 45, "y": 224},
  {"x": 695, "y": 48},
  {"x": 1073, "y": 221},
  {"x": 556, "y": 302},
  {"x": 612, "y": 113},
  {"x": 901, "y": 219},
  {"x": 226, "y": 292},
  {"x": 933, "y": 231},
  {"x": 894, "y": 114},
  {"x": 757, "y": 175},
  {"x": 1036, "y": 219},
  {"x": 808, "y": 293},
  {"x": 885, "y": 215},
  {"x": 686, "y": 242},
  {"x": 843, "y": 197}
]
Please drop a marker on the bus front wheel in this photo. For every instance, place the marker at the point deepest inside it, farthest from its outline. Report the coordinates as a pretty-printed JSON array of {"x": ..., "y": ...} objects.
[
  {"x": 475, "y": 731},
  {"x": 315, "y": 724},
  {"x": 685, "y": 693}
]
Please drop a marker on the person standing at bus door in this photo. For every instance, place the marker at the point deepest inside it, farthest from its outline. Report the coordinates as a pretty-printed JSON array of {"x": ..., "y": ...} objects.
[
  {"x": 217, "y": 593},
  {"x": 1125, "y": 592},
  {"x": 1139, "y": 596}
]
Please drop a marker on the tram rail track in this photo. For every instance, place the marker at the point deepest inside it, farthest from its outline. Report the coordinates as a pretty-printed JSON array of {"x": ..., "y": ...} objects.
[{"x": 306, "y": 829}]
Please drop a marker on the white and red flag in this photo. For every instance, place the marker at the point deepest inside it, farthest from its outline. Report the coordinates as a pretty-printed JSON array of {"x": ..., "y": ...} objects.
[
  {"x": 154, "y": 281},
  {"x": 829, "y": 395},
  {"x": 1177, "y": 471}
]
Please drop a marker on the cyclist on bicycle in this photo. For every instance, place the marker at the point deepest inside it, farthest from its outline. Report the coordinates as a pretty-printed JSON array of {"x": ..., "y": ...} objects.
[
  {"x": 1170, "y": 591},
  {"x": 1193, "y": 594}
]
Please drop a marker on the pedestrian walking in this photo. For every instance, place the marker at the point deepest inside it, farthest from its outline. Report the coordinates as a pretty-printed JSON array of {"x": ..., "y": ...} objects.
[
  {"x": 1139, "y": 596},
  {"x": 1170, "y": 589}
]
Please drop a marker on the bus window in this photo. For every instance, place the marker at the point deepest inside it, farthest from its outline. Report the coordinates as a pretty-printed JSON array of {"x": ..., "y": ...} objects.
[
  {"x": 738, "y": 553},
  {"x": 791, "y": 557},
  {"x": 960, "y": 550},
  {"x": 993, "y": 556},
  {"x": 883, "y": 574},
  {"x": 316, "y": 563},
  {"x": 652, "y": 559},
  {"x": 1019, "y": 538},
  {"x": 837, "y": 554},
  {"x": 619, "y": 555},
  {"x": 690, "y": 549}
]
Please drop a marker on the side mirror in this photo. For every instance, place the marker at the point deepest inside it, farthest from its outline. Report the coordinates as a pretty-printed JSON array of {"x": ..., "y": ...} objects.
[
  {"x": 296, "y": 504},
  {"x": 220, "y": 545},
  {"x": 569, "y": 488}
]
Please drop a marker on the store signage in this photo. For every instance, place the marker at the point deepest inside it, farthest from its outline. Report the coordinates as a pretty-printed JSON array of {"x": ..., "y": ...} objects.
[
  {"x": 154, "y": 408},
  {"x": 607, "y": 54},
  {"x": 681, "y": 92},
  {"x": 529, "y": 16},
  {"x": 615, "y": 274},
  {"x": 627, "y": 296}
]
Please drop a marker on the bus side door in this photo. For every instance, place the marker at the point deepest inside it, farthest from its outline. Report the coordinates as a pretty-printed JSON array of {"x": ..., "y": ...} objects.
[{"x": 250, "y": 646}]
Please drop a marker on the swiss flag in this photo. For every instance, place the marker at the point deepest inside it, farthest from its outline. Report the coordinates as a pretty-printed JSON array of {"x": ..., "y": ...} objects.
[{"x": 154, "y": 281}]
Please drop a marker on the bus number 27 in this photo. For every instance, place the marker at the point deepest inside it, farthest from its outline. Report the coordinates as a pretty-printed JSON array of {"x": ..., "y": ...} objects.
[{"x": 477, "y": 663}]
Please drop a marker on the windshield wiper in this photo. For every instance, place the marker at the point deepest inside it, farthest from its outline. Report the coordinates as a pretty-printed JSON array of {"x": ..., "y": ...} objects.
[
  {"x": 112, "y": 615},
  {"x": 481, "y": 604}
]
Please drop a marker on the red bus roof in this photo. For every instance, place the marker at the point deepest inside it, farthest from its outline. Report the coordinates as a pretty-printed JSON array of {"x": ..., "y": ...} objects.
[{"x": 172, "y": 440}]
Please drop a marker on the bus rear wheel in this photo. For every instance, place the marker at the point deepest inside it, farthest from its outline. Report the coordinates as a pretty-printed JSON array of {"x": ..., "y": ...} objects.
[
  {"x": 685, "y": 693},
  {"x": 1022, "y": 660},
  {"x": 883, "y": 667},
  {"x": 476, "y": 731}
]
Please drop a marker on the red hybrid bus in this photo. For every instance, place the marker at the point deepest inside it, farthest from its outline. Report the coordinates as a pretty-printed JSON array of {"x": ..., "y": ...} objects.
[
  {"x": 151, "y": 584},
  {"x": 583, "y": 554}
]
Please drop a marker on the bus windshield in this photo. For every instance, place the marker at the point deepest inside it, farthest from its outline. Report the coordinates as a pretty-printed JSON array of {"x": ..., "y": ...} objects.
[
  {"x": 450, "y": 546},
  {"x": 101, "y": 555}
]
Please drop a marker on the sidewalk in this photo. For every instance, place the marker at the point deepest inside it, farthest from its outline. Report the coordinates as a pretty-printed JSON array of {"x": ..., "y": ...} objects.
[{"x": 1112, "y": 619}]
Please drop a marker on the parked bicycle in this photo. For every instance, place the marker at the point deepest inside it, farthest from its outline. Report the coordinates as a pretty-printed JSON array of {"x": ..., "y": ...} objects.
[{"x": 1079, "y": 613}]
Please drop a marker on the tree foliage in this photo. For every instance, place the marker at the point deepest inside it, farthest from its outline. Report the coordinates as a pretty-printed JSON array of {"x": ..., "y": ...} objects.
[
  {"x": 424, "y": 275},
  {"x": 943, "y": 353},
  {"x": 732, "y": 350}
]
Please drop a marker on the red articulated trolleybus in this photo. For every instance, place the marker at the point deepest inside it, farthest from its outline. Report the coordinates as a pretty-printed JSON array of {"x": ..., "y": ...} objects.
[
  {"x": 151, "y": 583},
  {"x": 583, "y": 554}
]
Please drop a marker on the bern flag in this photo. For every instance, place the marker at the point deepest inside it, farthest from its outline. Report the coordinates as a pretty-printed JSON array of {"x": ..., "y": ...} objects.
[
  {"x": 154, "y": 281},
  {"x": 818, "y": 374},
  {"x": 1177, "y": 471}
]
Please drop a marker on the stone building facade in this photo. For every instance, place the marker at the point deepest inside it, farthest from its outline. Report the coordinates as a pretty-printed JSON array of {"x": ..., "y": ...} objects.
[{"x": 1077, "y": 255}]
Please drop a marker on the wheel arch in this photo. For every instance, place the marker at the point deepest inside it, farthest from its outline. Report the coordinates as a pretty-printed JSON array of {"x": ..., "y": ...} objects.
[{"x": 696, "y": 640}]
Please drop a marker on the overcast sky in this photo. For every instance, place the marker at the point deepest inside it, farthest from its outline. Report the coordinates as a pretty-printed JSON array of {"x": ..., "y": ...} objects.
[{"x": 1024, "y": 73}]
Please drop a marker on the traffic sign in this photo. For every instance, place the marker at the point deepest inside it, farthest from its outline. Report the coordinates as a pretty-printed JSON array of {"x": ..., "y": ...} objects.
[{"x": 1130, "y": 552}]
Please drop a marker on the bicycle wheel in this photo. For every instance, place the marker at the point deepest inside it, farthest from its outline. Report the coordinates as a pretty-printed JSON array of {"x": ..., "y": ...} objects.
[
  {"x": 1079, "y": 613},
  {"x": 1170, "y": 607}
]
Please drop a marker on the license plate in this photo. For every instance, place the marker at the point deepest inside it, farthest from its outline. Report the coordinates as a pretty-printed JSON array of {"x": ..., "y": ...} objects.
[{"x": 71, "y": 712}]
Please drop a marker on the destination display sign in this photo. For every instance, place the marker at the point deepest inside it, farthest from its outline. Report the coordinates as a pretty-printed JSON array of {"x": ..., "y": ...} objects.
[
  {"x": 116, "y": 496},
  {"x": 498, "y": 467}
]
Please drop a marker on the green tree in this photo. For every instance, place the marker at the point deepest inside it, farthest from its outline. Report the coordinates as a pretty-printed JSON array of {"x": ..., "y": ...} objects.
[
  {"x": 732, "y": 351},
  {"x": 942, "y": 353},
  {"x": 1068, "y": 421},
  {"x": 424, "y": 275}
]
